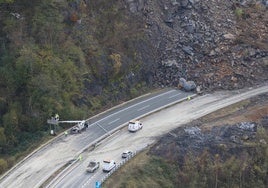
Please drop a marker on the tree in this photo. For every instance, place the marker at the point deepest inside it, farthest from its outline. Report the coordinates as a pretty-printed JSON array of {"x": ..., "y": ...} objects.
[
  {"x": 7, "y": 1},
  {"x": 3, "y": 139},
  {"x": 11, "y": 127},
  {"x": 3, "y": 165}
]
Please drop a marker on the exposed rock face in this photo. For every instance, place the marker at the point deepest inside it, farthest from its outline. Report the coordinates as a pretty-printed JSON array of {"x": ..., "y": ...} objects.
[
  {"x": 135, "y": 5},
  {"x": 218, "y": 44}
]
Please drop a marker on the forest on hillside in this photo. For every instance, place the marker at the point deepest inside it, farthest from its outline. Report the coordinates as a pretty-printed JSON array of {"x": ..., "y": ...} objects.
[{"x": 69, "y": 57}]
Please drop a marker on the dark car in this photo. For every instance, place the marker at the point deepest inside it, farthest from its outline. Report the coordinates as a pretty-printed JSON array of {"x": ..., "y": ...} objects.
[
  {"x": 92, "y": 166},
  {"x": 75, "y": 130},
  {"x": 127, "y": 154}
]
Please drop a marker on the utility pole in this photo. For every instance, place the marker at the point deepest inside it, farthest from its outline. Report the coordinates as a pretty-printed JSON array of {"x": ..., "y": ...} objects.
[{"x": 54, "y": 121}]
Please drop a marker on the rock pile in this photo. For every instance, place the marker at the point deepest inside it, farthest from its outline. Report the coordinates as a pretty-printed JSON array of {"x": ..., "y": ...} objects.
[
  {"x": 218, "y": 44},
  {"x": 187, "y": 85},
  {"x": 224, "y": 140}
]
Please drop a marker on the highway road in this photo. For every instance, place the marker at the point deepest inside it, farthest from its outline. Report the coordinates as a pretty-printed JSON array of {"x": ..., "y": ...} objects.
[
  {"x": 35, "y": 169},
  {"x": 135, "y": 109},
  {"x": 106, "y": 125},
  {"x": 111, "y": 149},
  {"x": 155, "y": 125}
]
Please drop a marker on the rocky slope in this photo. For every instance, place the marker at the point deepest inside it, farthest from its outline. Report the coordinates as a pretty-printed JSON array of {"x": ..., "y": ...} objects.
[
  {"x": 218, "y": 44},
  {"x": 238, "y": 132},
  {"x": 226, "y": 132}
]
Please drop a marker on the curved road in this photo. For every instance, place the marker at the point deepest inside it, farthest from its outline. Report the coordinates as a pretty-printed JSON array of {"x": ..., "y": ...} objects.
[
  {"x": 155, "y": 125},
  {"x": 35, "y": 169}
]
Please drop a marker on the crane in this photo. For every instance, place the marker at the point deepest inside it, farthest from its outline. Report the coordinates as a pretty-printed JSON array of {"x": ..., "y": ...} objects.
[{"x": 80, "y": 126}]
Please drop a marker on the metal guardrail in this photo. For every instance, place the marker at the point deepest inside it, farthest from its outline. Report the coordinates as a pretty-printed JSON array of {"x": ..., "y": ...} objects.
[
  {"x": 120, "y": 165},
  {"x": 96, "y": 143}
]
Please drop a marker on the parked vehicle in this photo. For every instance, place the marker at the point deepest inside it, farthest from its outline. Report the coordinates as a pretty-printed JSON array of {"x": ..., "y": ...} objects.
[
  {"x": 134, "y": 126},
  {"x": 79, "y": 127},
  {"x": 127, "y": 154},
  {"x": 108, "y": 165},
  {"x": 92, "y": 166}
]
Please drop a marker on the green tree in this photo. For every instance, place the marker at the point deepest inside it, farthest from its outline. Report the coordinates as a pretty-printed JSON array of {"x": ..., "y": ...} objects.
[
  {"x": 3, "y": 139},
  {"x": 7, "y": 1},
  {"x": 47, "y": 25},
  {"x": 10, "y": 122}
]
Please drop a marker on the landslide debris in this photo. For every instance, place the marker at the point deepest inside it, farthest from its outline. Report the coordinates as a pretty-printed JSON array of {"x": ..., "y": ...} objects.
[{"x": 218, "y": 44}]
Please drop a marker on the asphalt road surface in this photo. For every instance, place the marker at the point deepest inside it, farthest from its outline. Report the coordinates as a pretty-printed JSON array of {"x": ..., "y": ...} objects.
[
  {"x": 35, "y": 169},
  {"x": 155, "y": 125}
]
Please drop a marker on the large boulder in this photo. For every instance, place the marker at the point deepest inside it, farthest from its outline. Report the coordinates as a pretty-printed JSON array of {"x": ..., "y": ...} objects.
[{"x": 187, "y": 85}]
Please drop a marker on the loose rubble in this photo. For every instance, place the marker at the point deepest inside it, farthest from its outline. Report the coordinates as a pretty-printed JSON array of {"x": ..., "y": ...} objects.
[
  {"x": 218, "y": 44},
  {"x": 223, "y": 140}
]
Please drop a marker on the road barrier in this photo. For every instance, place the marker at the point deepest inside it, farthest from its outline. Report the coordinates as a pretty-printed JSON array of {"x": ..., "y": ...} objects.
[
  {"x": 120, "y": 165},
  {"x": 99, "y": 141}
]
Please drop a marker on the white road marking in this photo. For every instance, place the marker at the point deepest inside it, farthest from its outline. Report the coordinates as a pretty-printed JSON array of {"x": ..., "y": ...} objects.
[
  {"x": 132, "y": 106},
  {"x": 143, "y": 108},
  {"x": 174, "y": 95},
  {"x": 113, "y": 121},
  {"x": 103, "y": 128},
  {"x": 87, "y": 182}
]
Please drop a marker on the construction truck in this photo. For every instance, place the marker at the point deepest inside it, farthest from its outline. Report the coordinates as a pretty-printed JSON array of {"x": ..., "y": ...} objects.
[{"x": 80, "y": 126}]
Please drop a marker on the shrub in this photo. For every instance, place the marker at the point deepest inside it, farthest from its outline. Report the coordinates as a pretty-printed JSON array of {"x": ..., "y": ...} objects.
[
  {"x": 3, "y": 165},
  {"x": 11, "y": 161},
  {"x": 239, "y": 12}
]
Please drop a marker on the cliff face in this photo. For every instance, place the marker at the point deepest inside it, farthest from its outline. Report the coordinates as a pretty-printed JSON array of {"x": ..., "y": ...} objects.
[{"x": 218, "y": 44}]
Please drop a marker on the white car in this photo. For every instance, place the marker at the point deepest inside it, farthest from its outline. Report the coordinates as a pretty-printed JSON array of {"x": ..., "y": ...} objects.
[
  {"x": 134, "y": 126},
  {"x": 108, "y": 165}
]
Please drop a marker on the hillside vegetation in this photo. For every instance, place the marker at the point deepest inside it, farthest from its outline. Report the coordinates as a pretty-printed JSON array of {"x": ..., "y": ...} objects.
[{"x": 71, "y": 57}]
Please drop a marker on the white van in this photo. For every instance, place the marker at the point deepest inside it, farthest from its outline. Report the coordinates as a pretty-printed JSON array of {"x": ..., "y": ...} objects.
[
  {"x": 108, "y": 165},
  {"x": 134, "y": 126}
]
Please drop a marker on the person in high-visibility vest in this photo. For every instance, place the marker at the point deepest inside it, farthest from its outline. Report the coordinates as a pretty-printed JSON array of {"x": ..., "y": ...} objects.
[{"x": 57, "y": 117}]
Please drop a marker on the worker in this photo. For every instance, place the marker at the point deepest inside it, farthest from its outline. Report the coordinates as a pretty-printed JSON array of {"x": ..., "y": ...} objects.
[
  {"x": 80, "y": 157},
  {"x": 57, "y": 117},
  {"x": 65, "y": 133},
  {"x": 189, "y": 98}
]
